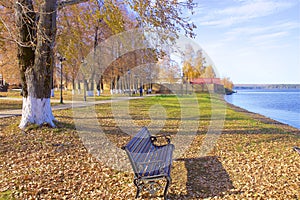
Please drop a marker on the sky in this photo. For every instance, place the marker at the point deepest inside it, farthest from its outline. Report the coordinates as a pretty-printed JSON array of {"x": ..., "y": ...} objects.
[{"x": 251, "y": 41}]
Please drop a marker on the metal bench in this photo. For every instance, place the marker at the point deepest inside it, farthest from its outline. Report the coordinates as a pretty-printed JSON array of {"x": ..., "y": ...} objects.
[{"x": 150, "y": 162}]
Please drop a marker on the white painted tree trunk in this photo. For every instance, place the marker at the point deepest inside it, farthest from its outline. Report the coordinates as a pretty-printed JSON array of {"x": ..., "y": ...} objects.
[
  {"x": 90, "y": 93},
  {"x": 36, "y": 111}
]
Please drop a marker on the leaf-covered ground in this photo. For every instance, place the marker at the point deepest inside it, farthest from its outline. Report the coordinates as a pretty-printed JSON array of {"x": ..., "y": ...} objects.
[{"x": 251, "y": 159}]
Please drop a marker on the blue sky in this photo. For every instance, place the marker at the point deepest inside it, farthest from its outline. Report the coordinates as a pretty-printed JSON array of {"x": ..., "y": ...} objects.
[{"x": 251, "y": 41}]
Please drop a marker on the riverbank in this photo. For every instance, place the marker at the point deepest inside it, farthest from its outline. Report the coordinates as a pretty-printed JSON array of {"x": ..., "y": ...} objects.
[
  {"x": 252, "y": 158},
  {"x": 264, "y": 119}
]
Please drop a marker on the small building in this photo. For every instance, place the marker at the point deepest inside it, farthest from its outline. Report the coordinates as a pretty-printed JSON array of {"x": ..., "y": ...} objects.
[{"x": 207, "y": 85}]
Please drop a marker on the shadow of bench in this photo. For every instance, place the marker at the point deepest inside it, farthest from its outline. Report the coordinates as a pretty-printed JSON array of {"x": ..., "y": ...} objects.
[{"x": 206, "y": 177}]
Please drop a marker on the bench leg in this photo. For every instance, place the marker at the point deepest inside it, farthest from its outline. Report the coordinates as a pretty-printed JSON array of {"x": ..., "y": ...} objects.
[
  {"x": 136, "y": 183},
  {"x": 167, "y": 186}
]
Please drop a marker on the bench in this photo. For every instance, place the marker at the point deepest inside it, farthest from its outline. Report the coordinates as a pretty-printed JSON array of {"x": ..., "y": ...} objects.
[
  {"x": 149, "y": 162},
  {"x": 297, "y": 149}
]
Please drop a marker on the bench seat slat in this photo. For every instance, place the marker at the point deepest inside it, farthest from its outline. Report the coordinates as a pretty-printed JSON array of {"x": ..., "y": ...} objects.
[
  {"x": 138, "y": 144},
  {"x": 151, "y": 168},
  {"x": 155, "y": 168}
]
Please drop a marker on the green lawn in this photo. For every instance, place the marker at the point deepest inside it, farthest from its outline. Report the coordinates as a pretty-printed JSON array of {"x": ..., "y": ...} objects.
[
  {"x": 246, "y": 159},
  {"x": 67, "y": 95},
  {"x": 14, "y": 104},
  {"x": 10, "y": 104}
]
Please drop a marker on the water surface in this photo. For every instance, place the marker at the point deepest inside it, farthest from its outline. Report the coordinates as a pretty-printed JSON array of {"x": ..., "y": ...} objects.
[{"x": 282, "y": 105}]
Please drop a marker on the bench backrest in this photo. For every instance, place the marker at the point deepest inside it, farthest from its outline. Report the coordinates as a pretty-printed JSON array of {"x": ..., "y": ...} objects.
[
  {"x": 139, "y": 147},
  {"x": 141, "y": 142}
]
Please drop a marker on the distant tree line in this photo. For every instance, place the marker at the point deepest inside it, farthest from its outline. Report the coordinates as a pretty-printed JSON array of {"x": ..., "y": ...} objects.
[{"x": 267, "y": 86}]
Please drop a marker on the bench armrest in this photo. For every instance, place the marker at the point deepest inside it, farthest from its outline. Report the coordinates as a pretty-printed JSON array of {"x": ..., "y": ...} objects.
[{"x": 167, "y": 138}]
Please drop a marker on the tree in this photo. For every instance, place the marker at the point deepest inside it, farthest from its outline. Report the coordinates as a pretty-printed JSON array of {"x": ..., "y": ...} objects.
[
  {"x": 199, "y": 63},
  {"x": 8, "y": 63},
  {"x": 209, "y": 72},
  {"x": 193, "y": 64},
  {"x": 35, "y": 60},
  {"x": 75, "y": 37},
  {"x": 8, "y": 57},
  {"x": 164, "y": 15},
  {"x": 1, "y": 34},
  {"x": 169, "y": 70},
  {"x": 227, "y": 83},
  {"x": 81, "y": 29},
  {"x": 36, "y": 42},
  {"x": 36, "y": 34}
]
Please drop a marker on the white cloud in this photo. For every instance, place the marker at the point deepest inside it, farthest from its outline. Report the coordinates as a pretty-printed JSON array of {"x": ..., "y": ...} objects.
[
  {"x": 245, "y": 10},
  {"x": 270, "y": 36},
  {"x": 252, "y": 30},
  {"x": 273, "y": 34}
]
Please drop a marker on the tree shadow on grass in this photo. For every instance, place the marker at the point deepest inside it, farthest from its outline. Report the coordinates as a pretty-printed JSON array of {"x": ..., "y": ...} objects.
[{"x": 206, "y": 178}]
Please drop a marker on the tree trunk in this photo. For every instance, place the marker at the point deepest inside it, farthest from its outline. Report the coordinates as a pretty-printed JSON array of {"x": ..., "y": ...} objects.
[
  {"x": 35, "y": 62},
  {"x": 92, "y": 78},
  {"x": 90, "y": 91},
  {"x": 73, "y": 85},
  {"x": 99, "y": 86},
  {"x": 78, "y": 87}
]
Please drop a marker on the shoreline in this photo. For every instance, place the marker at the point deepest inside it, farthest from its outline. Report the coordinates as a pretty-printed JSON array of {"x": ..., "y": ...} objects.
[{"x": 263, "y": 119}]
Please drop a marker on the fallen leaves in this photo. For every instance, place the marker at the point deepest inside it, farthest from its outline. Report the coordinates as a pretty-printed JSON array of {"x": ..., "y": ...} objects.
[{"x": 247, "y": 162}]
